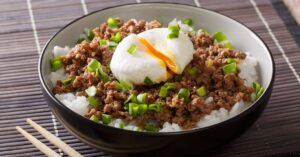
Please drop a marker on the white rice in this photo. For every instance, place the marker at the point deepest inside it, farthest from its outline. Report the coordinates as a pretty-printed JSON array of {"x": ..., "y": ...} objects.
[
  {"x": 80, "y": 105},
  {"x": 248, "y": 70},
  {"x": 59, "y": 74},
  {"x": 183, "y": 27}
]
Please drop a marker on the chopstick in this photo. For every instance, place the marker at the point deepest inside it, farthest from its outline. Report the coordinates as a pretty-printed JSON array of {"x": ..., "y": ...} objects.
[
  {"x": 50, "y": 137},
  {"x": 38, "y": 144}
]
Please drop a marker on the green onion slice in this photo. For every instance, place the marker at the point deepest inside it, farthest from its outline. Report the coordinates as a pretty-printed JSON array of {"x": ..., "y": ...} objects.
[
  {"x": 227, "y": 45},
  {"x": 148, "y": 81},
  {"x": 133, "y": 109},
  {"x": 119, "y": 125},
  {"x": 102, "y": 75},
  {"x": 151, "y": 127},
  {"x": 106, "y": 119},
  {"x": 220, "y": 37},
  {"x": 132, "y": 49},
  {"x": 174, "y": 31},
  {"x": 137, "y": 109},
  {"x": 89, "y": 34},
  {"x": 93, "y": 101},
  {"x": 231, "y": 60},
  {"x": 94, "y": 118},
  {"x": 81, "y": 38},
  {"x": 91, "y": 91},
  {"x": 142, "y": 98},
  {"x": 112, "y": 22},
  {"x": 143, "y": 108},
  {"x": 117, "y": 37},
  {"x": 131, "y": 98},
  {"x": 163, "y": 92},
  {"x": 56, "y": 63},
  {"x": 155, "y": 107},
  {"x": 230, "y": 68},
  {"x": 68, "y": 81},
  {"x": 258, "y": 90},
  {"x": 123, "y": 86},
  {"x": 102, "y": 42},
  {"x": 184, "y": 93},
  {"x": 174, "y": 28},
  {"x": 188, "y": 21},
  {"x": 193, "y": 70},
  {"x": 93, "y": 65},
  {"x": 201, "y": 91},
  {"x": 170, "y": 86}
]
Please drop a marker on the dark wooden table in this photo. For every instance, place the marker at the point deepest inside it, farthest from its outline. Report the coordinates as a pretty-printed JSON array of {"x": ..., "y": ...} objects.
[{"x": 27, "y": 25}]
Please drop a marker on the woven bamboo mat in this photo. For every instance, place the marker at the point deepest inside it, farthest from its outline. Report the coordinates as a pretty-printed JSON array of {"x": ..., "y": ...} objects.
[{"x": 27, "y": 25}]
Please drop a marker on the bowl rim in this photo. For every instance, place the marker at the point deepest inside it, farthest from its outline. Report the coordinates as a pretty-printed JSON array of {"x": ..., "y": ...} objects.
[{"x": 182, "y": 132}]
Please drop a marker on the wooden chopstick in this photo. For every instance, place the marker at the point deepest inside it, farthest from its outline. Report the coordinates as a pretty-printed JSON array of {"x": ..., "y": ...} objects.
[
  {"x": 50, "y": 137},
  {"x": 54, "y": 140},
  {"x": 38, "y": 144}
]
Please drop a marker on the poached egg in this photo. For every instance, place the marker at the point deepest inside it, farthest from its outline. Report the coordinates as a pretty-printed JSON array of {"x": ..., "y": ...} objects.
[{"x": 156, "y": 56}]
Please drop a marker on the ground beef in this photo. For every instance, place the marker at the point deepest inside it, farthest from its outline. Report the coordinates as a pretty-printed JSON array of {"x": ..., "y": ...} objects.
[{"x": 209, "y": 58}]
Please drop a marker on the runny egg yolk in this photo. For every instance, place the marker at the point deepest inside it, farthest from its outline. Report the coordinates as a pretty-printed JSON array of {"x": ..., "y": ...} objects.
[{"x": 157, "y": 54}]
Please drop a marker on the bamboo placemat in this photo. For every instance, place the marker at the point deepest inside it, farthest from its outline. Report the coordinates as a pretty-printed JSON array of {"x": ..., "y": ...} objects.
[{"x": 27, "y": 25}]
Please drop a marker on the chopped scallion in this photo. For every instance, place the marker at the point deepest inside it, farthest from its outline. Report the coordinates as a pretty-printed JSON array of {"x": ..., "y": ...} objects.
[
  {"x": 93, "y": 101},
  {"x": 258, "y": 89},
  {"x": 81, "y": 38},
  {"x": 112, "y": 22},
  {"x": 133, "y": 109},
  {"x": 106, "y": 119},
  {"x": 201, "y": 91},
  {"x": 94, "y": 118},
  {"x": 163, "y": 92},
  {"x": 102, "y": 75},
  {"x": 230, "y": 68},
  {"x": 132, "y": 49},
  {"x": 89, "y": 34},
  {"x": 155, "y": 107},
  {"x": 68, "y": 81},
  {"x": 174, "y": 28},
  {"x": 102, "y": 42},
  {"x": 142, "y": 98},
  {"x": 151, "y": 127},
  {"x": 91, "y": 91},
  {"x": 148, "y": 81},
  {"x": 174, "y": 31},
  {"x": 132, "y": 98},
  {"x": 230, "y": 60},
  {"x": 193, "y": 70},
  {"x": 184, "y": 93},
  {"x": 123, "y": 86},
  {"x": 117, "y": 37},
  {"x": 219, "y": 37},
  {"x": 119, "y": 125},
  {"x": 170, "y": 86},
  {"x": 56, "y": 63},
  {"x": 93, "y": 65},
  {"x": 173, "y": 35},
  {"x": 227, "y": 45},
  {"x": 188, "y": 21}
]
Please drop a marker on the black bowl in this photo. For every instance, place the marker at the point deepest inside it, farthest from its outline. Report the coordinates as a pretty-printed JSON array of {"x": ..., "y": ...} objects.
[{"x": 190, "y": 142}]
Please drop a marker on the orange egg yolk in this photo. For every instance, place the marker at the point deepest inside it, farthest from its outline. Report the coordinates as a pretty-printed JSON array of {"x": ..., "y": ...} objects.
[{"x": 157, "y": 54}]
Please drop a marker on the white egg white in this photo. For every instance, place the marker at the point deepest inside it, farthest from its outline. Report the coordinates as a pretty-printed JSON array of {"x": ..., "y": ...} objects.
[{"x": 134, "y": 68}]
